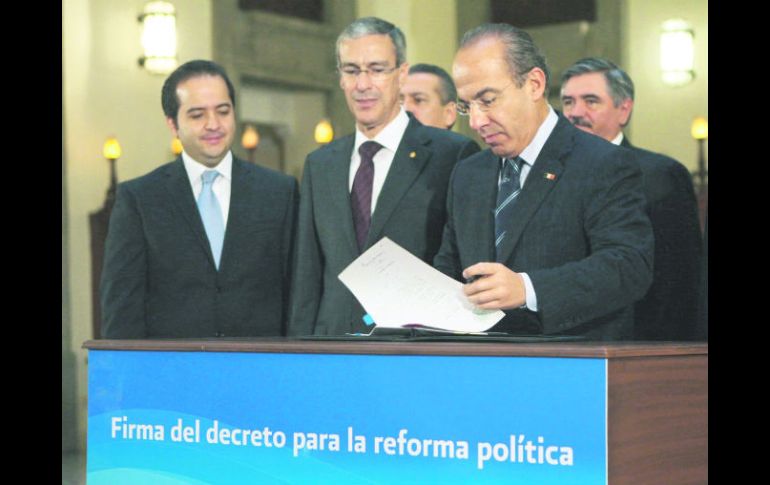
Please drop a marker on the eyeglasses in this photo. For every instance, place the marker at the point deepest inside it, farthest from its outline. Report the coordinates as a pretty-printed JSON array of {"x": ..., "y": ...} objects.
[
  {"x": 484, "y": 103},
  {"x": 376, "y": 73}
]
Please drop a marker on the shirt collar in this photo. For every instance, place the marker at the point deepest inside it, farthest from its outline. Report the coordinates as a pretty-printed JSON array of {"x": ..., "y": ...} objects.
[
  {"x": 195, "y": 169},
  {"x": 618, "y": 139},
  {"x": 390, "y": 136},
  {"x": 531, "y": 152}
]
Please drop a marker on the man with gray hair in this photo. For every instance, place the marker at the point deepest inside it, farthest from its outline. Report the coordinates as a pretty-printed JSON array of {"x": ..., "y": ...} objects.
[
  {"x": 548, "y": 224},
  {"x": 389, "y": 178},
  {"x": 429, "y": 93},
  {"x": 598, "y": 97}
]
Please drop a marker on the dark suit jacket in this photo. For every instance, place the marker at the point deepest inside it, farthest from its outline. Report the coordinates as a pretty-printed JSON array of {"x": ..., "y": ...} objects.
[
  {"x": 410, "y": 210},
  {"x": 579, "y": 231},
  {"x": 159, "y": 278},
  {"x": 669, "y": 309}
]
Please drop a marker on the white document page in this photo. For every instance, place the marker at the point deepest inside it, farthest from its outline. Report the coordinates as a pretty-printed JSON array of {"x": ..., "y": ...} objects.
[{"x": 398, "y": 289}]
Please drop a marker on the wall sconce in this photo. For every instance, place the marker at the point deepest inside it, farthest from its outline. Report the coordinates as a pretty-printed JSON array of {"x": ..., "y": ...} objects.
[
  {"x": 158, "y": 37},
  {"x": 98, "y": 222},
  {"x": 700, "y": 131},
  {"x": 324, "y": 133},
  {"x": 250, "y": 140},
  {"x": 111, "y": 151},
  {"x": 677, "y": 51},
  {"x": 176, "y": 147}
]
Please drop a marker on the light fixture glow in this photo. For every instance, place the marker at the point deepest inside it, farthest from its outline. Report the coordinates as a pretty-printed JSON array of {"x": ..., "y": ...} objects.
[
  {"x": 158, "y": 37},
  {"x": 176, "y": 146},
  {"x": 324, "y": 133},
  {"x": 700, "y": 128},
  {"x": 250, "y": 138},
  {"x": 677, "y": 51},
  {"x": 111, "y": 149}
]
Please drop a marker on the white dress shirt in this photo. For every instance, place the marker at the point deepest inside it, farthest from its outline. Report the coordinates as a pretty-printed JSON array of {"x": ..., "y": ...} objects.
[
  {"x": 389, "y": 138},
  {"x": 221, "y": 186}
]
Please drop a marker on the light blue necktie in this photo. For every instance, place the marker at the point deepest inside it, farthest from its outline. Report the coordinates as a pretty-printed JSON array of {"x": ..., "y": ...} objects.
[{"x": 211, "y": 214}]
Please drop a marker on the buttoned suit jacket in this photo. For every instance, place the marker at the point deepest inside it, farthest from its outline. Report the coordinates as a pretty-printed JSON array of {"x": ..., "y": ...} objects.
[
  {"x": 159, "y": 278},
  {"x": 410, "y": 210},
  {"x": 669, "y": 309},
  {"x": 578, "y": 229}
]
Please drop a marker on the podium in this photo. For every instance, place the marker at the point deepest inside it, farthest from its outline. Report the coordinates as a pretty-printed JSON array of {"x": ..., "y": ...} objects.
[{"x": 297, "y": 411}]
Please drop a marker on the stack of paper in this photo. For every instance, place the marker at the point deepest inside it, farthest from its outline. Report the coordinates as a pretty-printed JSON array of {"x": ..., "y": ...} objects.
[{"x": 398, "y": 289}]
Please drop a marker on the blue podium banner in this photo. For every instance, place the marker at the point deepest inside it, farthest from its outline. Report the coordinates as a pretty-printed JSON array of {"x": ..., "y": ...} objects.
[{"x": 242, "y": 418}]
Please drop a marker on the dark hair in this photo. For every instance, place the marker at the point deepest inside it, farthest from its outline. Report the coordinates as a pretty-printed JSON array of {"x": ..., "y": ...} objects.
[
  {"x": 521, "y": 53},
  {"x": 447, "y": 90},
  {"x": 374, "y": 26},
  {"x": 188, "y": 70},
  {"x": 619, "y": 84}
]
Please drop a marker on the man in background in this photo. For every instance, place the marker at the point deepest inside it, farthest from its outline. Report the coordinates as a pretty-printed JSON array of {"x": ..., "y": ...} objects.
[
  {"x": 389, "y": 179},
  {"x": 201, "y": 246},
  {"x": 598, "y": 97},
  {"x": 548, "y": 224},
  {"x": 429, "y": 93}
]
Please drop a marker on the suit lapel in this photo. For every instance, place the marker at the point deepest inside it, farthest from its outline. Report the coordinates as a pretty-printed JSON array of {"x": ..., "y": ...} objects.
[
  {"x": 337, "y": 173},
  {"x": 408, "y": 162},
  {"x": 180, "y": 193},
  {"x": 241, "y": 201},
  {"x": 543, "y": 177},
  {"x": 480, "y": 225}
]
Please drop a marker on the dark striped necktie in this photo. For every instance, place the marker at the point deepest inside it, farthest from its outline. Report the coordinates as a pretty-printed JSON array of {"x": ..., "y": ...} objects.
[{"x": 509, "y": 189}]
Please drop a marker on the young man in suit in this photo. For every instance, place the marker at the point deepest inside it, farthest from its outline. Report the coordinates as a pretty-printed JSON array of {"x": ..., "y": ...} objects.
[
  {"x": 548, "y": 224},
  {"x": 387, "y": 179},
  {"x": 201, "y": 246},
  {"x": 598, "y": 97},
  {"x": 430, "y": 95}
]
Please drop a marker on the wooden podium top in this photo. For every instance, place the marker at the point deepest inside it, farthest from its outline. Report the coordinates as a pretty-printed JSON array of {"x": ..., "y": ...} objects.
[{"x": 443, "y": 346}]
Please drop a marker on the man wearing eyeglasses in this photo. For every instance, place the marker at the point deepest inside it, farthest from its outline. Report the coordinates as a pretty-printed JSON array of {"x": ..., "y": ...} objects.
[
  {"x": 388, "y": 179},
  {"x": 548, "y": 224}
]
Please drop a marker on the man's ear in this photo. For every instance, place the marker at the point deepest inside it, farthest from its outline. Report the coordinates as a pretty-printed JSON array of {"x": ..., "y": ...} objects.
[
  {"x": 172, "y": 126},
  {"x": 625, "y": 111},
  {"x": 450, "y": 114},
  {"x": 536, "y": 82}
]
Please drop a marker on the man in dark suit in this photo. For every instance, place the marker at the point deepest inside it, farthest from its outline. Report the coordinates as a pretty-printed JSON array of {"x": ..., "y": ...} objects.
[
  {"x": 200, "y": 247},
  {"x": 352, "y": 198},
  {"x": 548, "y": 224},
  {"x": 598, "y": 97},
  {"x": 430, "y": 95}
]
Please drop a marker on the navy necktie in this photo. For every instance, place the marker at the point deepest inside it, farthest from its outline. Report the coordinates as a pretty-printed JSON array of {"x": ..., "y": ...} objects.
[
  {"x": 509, "y": 189},
  {"x": 361, "y": 194},
  {"x": 211, "y": 214}
]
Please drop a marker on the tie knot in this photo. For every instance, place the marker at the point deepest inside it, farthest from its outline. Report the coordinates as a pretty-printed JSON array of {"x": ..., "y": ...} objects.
[
  {"x": 209, "y": 176},
  {"x": 368, "y": 149}
]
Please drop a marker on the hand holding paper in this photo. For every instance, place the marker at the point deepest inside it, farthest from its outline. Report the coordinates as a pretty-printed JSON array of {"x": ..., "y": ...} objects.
[{"x": 398, "y": 289}]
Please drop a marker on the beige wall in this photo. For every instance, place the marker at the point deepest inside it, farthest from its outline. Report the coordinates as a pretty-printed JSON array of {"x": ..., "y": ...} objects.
[
  {"x": 106, "y": 93},
  {"x": 430, "y": 27},
  {"x": 662, "y": 114}
]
